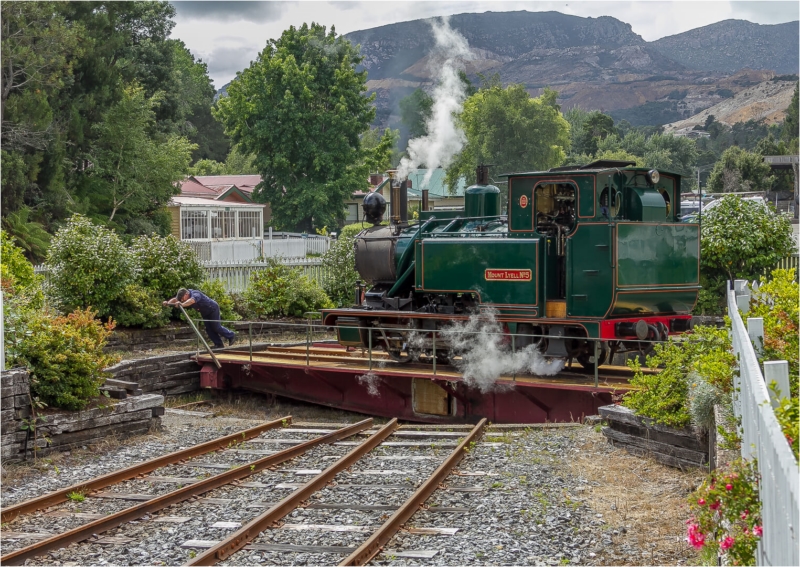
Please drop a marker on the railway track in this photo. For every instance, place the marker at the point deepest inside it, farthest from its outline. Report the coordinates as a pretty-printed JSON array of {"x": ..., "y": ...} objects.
[{"x": 353, "y": 480}]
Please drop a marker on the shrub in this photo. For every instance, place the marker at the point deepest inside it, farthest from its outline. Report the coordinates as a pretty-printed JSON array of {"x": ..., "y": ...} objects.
[
  {"x": 667, "y": 397},
  {"x": 776, "y": 302},
  {"x": 89, "y": 267},
  {"x": 165, "y": 264},
  {"x": 281, "y": 290},
  {"x": 742, "y": 248},
  {"x": 788, "y": 416},
  {"x": 339, "y": 263},
  {"x": 16, "y": 273},
  {"x": 139, "y": 306},
  {"x": 727, "y": 513},
  {"x": 65, "y": 357}
]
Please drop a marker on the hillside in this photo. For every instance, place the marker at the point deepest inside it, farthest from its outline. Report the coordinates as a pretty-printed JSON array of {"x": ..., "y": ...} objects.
[
  {"x": 594, "y": 63},
  {"x": 765, "y": 101},
  {"x": 731, "y": 45}
]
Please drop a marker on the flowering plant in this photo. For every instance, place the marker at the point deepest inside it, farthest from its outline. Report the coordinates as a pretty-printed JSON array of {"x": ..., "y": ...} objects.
[{"x": 727, "y": 513}]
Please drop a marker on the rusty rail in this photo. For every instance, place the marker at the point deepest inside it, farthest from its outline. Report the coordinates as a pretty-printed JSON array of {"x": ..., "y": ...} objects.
[
  {"x": 81, "y": 533},
  {"x": 51, "y": 499},
  {"x": 370, "y": 548},
  {"x": 252, "y": 529}
]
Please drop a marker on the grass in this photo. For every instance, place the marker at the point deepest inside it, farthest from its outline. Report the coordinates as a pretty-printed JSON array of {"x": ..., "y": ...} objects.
[
  {"x": 76, "y": 496},
  {"x": 646, "y": 497}
]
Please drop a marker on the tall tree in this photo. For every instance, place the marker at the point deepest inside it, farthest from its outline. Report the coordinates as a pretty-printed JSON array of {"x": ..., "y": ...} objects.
[
  {"x": 508, "y": 128},
  {"x": 740, "y": 170},
  {"x": 300, "y": 108},
  {"x": 134, "y": 171}
]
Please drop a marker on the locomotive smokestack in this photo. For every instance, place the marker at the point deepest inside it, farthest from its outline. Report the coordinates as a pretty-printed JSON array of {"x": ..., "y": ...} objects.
[
  {"x": 403, "y": 202},
  {"x": 424, "y": 199},
  {"x": 482, "y": 175}
]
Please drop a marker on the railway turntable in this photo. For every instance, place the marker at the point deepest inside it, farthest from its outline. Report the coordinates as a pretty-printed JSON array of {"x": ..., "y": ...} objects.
[{"x": 332, "y": 376}]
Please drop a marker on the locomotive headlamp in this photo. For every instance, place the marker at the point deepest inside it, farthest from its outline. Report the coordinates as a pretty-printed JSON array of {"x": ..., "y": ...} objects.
[{"x": 653, "y": 176}]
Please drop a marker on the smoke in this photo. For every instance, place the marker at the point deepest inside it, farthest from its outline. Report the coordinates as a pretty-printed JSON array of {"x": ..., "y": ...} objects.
[
  {"x": 484, "y": 357},
  {"x": 444, "y": 139},
  {"x": 371, "y": 381}
]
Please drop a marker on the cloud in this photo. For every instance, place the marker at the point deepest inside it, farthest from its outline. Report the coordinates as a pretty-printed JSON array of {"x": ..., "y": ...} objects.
[
  {"x": 230, "y": 11},
  {"x": 227, "y": 60},
  {"x": 765, "y": 12}
]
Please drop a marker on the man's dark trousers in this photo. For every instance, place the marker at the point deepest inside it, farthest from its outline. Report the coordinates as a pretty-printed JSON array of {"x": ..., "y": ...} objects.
[{"x": 214, "y": 327}]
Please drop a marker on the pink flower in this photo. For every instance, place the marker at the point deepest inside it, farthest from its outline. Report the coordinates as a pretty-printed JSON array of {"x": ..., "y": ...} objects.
[
  {"x": 714, "y": 505},
  {"x": 695, "y": 536},
  {"x": 726, "y": 543},
  {"x": 702, "y": 502},
  {"x": 758, "y": 530},
  {"x": 728, "y": 486},
  {"x": 744, "y": 515}
]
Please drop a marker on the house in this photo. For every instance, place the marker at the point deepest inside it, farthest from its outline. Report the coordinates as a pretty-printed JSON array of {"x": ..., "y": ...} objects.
[{"x": 438, "y": 195}]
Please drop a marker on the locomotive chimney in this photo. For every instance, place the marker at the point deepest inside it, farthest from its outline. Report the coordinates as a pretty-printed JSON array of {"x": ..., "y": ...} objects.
[
  {"x": 424, "y": 199},
  {"x": 403, "y": 202},
  {"x": 394, "y": 198},
  {"x": 482, "y": 175}
]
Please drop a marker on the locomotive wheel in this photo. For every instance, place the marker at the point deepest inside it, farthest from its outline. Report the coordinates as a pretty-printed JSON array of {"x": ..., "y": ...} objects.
[
  {"x": 397, "y": 356},
  {"x": 587, "y": 360}
]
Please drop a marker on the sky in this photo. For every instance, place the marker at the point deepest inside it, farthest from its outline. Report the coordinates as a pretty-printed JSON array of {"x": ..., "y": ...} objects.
[{"x": 229, "y": 35}]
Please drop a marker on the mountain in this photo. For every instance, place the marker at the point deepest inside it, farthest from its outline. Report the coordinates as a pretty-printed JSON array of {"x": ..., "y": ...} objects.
[
  {"x": 731, "y": 45},
  {"x": 594, "y": 63}
]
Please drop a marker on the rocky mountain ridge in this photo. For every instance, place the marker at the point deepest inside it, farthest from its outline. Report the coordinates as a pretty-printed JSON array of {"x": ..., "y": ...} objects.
[{"x": 594, "y": 63}]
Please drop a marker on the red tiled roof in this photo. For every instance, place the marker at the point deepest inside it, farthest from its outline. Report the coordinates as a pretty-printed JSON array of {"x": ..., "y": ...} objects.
[{"x": 245, "y": 183}]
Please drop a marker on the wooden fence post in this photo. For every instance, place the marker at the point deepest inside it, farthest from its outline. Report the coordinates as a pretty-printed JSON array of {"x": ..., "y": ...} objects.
[{"x": 777, "y": 371}]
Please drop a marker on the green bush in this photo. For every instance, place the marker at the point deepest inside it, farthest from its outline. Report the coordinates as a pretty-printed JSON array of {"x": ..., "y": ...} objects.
[
  {"x": 669, "y": 396},
  {"x": 280, "y": 290},
  {"x": 757, "y": 240},
  {"x": 65, "y": 357},
  {"x": 16, "y": 273},
  {"x": 139, "y": 306},
  {"x": 89, "y": 267},
  {"x": 339, "y": 266},
  {"x": 165, "y": 264},
  {"x": 776, "y": 302}
]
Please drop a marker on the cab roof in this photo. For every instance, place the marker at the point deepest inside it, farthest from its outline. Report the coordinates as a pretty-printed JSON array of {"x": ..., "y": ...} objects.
[{"x": 595, "y": 166}]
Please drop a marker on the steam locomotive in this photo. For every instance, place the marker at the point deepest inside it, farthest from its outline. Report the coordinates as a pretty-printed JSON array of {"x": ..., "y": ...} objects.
[{"x": 579, "y": 253}]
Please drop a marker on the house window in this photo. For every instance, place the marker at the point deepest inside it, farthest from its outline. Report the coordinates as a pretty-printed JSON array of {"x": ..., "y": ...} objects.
[
  {"x": 223, "y": 224},
  {"x": 250, "y": 225},
  {"x": 194, "y": 224},
  {"x": 352, "y": 212}
]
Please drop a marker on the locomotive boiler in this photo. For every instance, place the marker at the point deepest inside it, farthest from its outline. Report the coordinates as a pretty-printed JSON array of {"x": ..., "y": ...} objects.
[{"x": 583, "y": 262}]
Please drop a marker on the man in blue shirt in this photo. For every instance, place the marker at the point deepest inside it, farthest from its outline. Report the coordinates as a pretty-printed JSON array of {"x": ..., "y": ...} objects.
[{"x": 209, "y": 311}]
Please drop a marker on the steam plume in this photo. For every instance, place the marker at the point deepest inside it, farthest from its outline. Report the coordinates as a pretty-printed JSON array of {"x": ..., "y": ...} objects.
[
  {"x": 444, "y": 139},
  {"x": 484, "y": 358}
]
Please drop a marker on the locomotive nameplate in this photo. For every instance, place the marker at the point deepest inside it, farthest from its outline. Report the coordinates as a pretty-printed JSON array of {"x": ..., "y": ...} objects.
[
  {"x": 508, "y": 275},
  {"x": 523, "y": 201}
]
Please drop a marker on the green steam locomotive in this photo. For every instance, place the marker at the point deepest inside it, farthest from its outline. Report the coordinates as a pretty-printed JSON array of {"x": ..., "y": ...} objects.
[{"x": 584, "y": 262}]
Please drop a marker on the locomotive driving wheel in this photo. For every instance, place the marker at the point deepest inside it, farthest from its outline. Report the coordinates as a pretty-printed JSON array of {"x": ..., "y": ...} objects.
[{"x": 587, "y": 358}]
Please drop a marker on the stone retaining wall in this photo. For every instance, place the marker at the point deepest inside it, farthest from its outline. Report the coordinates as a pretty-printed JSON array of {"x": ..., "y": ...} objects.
[
  {"x": 680, "y": 448},
  {"x": 63, "y": 430}
]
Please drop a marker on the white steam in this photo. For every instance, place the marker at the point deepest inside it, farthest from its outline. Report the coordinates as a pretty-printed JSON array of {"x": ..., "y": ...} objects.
[
  {"x": 484, "y": 357},
  {"x": 371, "y": 381},
  {"x": 444, "y": 139}
]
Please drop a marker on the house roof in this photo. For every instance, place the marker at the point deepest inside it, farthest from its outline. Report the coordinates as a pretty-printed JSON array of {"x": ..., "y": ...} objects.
[
  {"x": 185, "y": 201},
  {"x": 191, "y": 188},
  {"x": 245, "y": 183}
]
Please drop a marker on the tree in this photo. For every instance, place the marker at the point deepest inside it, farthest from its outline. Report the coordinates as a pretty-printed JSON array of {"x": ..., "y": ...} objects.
[
  {"x": 415, "y": 111},
  {"x": 300, "y": 108},
  {"x": 597, "y": 126},
  {"x": 739, "y": 240},
  {"x": 131, "y": 168},
  {"x": 740, "y": 170},
  {"x": 509, "y": 129},
  {"x": 790, "y": 124}
]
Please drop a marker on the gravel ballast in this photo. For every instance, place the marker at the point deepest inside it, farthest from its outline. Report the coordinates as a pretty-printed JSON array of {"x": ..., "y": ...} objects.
[{"x": 533, "y": 499}]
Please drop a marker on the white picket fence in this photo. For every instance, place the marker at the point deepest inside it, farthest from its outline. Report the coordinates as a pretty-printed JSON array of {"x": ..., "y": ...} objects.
[
  {"x": 236, "y": 276},
  {"x": 250, "y": 249},
  {"x": 763, "y": 439}
]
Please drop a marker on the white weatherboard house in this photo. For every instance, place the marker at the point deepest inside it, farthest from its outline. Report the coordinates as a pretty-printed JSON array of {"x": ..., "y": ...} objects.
[{"x": 219, "y": 230}]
